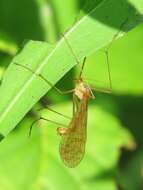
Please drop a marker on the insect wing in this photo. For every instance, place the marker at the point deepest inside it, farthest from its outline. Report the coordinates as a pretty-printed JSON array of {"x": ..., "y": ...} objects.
[{"x": 72, "y": 146}]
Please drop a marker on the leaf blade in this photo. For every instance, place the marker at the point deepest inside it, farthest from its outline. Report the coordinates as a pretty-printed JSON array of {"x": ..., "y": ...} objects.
[{"x": 20, "y": 89}]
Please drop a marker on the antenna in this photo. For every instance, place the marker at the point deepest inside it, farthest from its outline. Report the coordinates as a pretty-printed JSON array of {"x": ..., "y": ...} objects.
[
  {"x": 81, "y": 71},
  {"x": 74, "y": 55}
]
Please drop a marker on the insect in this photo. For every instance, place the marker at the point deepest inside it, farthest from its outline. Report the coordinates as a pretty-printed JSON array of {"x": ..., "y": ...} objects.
[{"x": 73, "y": 137}]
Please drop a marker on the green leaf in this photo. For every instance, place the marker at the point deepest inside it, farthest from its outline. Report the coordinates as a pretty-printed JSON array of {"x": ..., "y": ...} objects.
[
  {"x": 21, "y": 89},
  {"x": 126, "y": 68},
  {"x": 38, "y": 161}
]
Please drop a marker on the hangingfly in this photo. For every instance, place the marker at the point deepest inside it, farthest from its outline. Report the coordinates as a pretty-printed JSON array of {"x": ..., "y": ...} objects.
[{"x": 73, "y": 138}]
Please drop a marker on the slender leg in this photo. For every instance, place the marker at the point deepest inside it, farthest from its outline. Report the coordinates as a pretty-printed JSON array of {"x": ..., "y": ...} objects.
[
  {"x": 107, "y": 55},
  {"x": 104, "y": 90},
  {"x": 42, "y": 77},
  {"x": 42, "y": 118},
  {"x": 87, "y": 80},
  {"x": 108, "y": 68},
  {"x": 75, "y": 104},
  {"x": 46, "y": 107}
]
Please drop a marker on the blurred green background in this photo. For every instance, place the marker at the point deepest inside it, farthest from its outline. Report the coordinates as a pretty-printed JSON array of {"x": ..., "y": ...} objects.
[{"x": 114, "y": 151}]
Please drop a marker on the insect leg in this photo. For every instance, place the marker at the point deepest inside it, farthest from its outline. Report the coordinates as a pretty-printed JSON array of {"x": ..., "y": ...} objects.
[
  {"x": 75, "y": 104},
  {"x": 46, "y": 107},
  {"x": 45, "y": 119},
  {"x": 42, "y": 77},
  {"x": 107, "y": 49}
]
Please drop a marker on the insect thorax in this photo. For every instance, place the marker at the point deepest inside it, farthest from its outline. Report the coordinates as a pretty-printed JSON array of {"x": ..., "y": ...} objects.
[{"x": 82, "y": 90}]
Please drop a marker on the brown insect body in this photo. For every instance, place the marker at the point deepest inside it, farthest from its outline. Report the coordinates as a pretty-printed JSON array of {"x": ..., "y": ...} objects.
[
  {"x": 72, "y": 145},
  {"x": 73, "y": 138}
]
